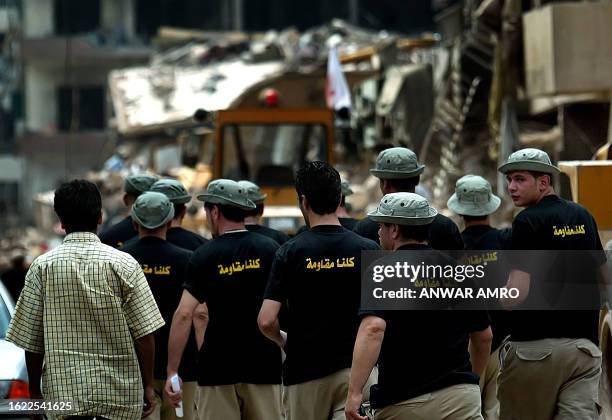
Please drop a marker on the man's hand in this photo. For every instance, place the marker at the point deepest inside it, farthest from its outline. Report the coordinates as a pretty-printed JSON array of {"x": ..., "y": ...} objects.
[
  {"x": 149, "y": 398},
  {"x": 351, "y": 408},
  {"x": 174, "y": 397}
]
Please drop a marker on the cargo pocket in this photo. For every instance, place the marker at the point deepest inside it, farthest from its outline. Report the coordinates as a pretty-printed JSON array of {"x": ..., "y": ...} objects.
[
  {"x": 590, "y": 349},
  {"x": 533, "y": 354}
]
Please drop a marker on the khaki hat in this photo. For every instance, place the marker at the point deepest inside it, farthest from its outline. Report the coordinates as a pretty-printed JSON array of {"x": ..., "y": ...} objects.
[
  {"x": 173, "y": 189},
  {"x": 253, "y": 191},
  {"x": 227, "y": 192},
  {"x": 473, "y": 197},
  {"x": 139, "y": 183},
  {"x": 152, "y": 210},
  {"x": 346, "y": 189},
  {"x": 404, "y": 208},
  {"x": 529, "y": 160},
  {"x": 397, "y": 163}
]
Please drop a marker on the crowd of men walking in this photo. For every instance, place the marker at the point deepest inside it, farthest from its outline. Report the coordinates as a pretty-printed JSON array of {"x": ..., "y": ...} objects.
[{"x": 258, "y": 328}]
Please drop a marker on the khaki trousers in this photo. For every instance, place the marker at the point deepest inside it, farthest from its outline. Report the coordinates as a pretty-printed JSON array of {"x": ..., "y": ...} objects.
[
  {"x": 164, "y": 409},
  {"x": 240, "y": 402},
  {"x": 488, "y": 388},
  {"x": 323, "y": 398},
  {"x": 457, "y": 402},
  {"x": 549, "y": 379}
]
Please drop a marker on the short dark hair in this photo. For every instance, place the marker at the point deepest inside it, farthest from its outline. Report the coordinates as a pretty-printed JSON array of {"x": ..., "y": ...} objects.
[
  {"x": 404, "y": 184},
  {"x": 319, "y": 182},
  {"x": 537, "y": 174},
  {"x": 78, "y": 204},
  {"x": 178, "y": 209},
  {"x": 258, "y": 211},
  {"x": 416, "y": 232},
  {"x": 474, "y": 218},
  {"x": 229, "y": 212}
]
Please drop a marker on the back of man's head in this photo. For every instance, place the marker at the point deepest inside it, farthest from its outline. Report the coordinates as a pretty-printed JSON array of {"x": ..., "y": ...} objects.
[
  {"x": 78, "y": 204},
  {"x": 319, "y": 182}
]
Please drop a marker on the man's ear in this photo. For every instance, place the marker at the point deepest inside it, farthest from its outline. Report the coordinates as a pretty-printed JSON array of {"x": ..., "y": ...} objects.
[
  {"x": 125, "y": 200},
  {"x": 544, "y": 181},
  {"x": 304, "y": 202},
  {"x": 100, "y": 219},
  {"x": 214, "y": 212},
  {"x": 395, "y": 232}
]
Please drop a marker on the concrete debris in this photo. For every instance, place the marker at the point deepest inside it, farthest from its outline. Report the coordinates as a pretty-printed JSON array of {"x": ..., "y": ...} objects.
[{"x": 211, "y": 70}]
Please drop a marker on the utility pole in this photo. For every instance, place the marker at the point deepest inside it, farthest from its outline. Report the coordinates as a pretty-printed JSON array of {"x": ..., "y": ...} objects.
[
  {"x": 238, "y": 13},
  {"x": 353, "y": 6}
]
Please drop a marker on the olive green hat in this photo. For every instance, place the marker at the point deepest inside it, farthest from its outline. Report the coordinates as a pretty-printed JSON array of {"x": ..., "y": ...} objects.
[
  {"x": 173, "y": 189},
  {"x": 404, "y": 208},
  {"x": 139, "y": 183},
  {"x": 152, "y": 210},
  {"x": 253, "y": 191},
  {"x": 346, "y": 189},
  {"x": 227, "y": 192},
  {"x": 529, "y": 160},
  {"x": 397, "y": 163},
  {"x": 473, "y": 197}
]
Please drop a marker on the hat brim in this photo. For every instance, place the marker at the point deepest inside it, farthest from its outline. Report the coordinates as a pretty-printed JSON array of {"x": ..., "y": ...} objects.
[
  {"x": 389, "y": 174},
  {"x": 217, "y": 199},
  {"x": 528, "y": 165},
  {"x": 167, "y": 219},
  {"x": 260, "y": 199},
  {"x": 401, "y": 220},
  {"x": 183, "y": 199},
  {"x": 473, "y": 209}
]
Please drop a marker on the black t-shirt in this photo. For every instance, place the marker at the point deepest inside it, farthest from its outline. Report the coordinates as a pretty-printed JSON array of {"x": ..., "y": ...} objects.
[
  {"x": 230, "y": 274},
  {"x": 317, "y": 274},
  {"x": 540, "y": 227},
  {"x": 424, "y": 350},
  {"x": 486, "y": 237},
  {"x": 443, "y": 233},
  {"x": 180, "y": 237},
  {"x": 483, "y": 238},
  {"x": 118, "y": 234},
  {"x": 346, "y": 222},
  {"x": 277, "y": 236},
  {"x": 165, "y": 267}
]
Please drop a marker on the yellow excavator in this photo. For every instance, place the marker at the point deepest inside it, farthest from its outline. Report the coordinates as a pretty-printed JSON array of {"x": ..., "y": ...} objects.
[{"x": 590, "y": 182}]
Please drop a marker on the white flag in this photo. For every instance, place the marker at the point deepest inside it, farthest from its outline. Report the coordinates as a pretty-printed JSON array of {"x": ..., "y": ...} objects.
[{"x": 336, "y": 89}]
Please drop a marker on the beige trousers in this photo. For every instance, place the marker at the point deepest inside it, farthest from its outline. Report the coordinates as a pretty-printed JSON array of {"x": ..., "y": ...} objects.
[
  {"x": 323, "y": 398},
  {"x": 549, "y": 379},
  {"x": 488, "y": 388},
  {"x": 457, "y": 402},
  {"x": 239, "y": 402},
  {"x": 165, "y": 411}
]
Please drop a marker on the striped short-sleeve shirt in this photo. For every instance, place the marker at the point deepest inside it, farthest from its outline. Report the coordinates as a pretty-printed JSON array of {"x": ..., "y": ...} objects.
[{"x": 83, "y": 305}]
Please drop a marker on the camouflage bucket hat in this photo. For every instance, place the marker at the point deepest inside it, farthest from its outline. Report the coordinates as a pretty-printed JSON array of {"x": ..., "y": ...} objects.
[
  {"x": 253, "y": 191},
  {"x": 173, "y": 189},
  {"x": 152, "y": 210},
  {"x": 529, "y": 160},
  {"x": 404, "y": 209},
  {"x": 473, "y": 197},
  {"x": 346, "y": 189},
  {"x": 139, "y": 183},
  {"x": 227, "y": 192},
  {"x": 397, "y": 163}
]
